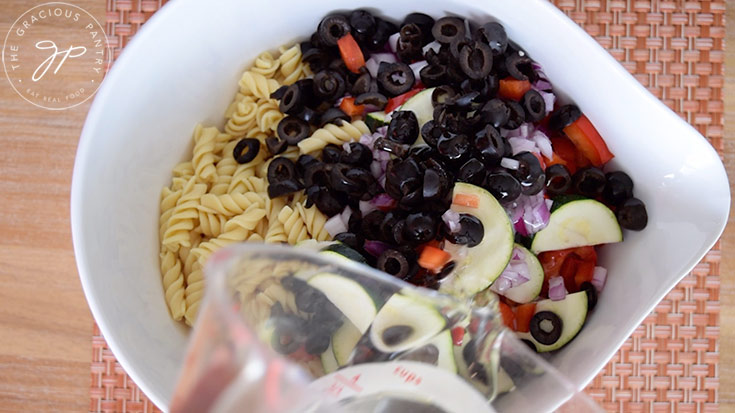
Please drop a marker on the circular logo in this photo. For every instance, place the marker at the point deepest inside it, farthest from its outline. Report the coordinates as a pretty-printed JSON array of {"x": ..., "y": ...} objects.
[{"x": 55, "y": 55}]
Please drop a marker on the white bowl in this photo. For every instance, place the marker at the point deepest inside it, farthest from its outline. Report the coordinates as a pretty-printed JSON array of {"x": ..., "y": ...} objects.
[{"x": 183, "y": 67}]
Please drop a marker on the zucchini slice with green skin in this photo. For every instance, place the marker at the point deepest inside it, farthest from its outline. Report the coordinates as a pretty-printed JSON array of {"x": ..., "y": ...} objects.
[
  {"x": 344, "y": 341},
  {"x": 572, "y": 311},
  {"x": 329, "y": 360},
  {"x": 405, "y": 323},
  {"x": 339, "y": 248},
  {"x": 578, "y": 224},
  {"x": 374, "y": 120},
  {"x": 487, "y": 260},
  {"x": 422, "y": 106},
  {"x": 349, "y": 297},
  {"x": 529, "y": 290}
]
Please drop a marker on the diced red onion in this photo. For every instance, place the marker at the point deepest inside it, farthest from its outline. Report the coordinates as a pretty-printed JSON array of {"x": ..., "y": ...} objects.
[
  {"x": 541, "y": 85},
  {"x": 335, "y": 225},
  {"x": 346, "y": 147},
  {"x": 375, "y": 248},
  {"x": 509, "y": 163},
  {"x": 381, "y": 181},
  {"x": 372, "y": 67},
  {"x": 367, "y": 140},
  {"x": 366, "y": 207},
  {"x": 373, "y": 64},
  {"x": 519, "y": 145},
  {"x": 520, "y": 227},
  {"x": 536, "y": 66},
  {"x": 416, "y": 67},
  {"x": 549, "y": 203},
  {"x": 375, "y": 169},
  {"x": 451, "y": 218},
  {"x": 393, "y": 41},
  {"x": 383, "y": 130},
  {"x": 543, "y": 143},
  {"x": 598, "y": 278},
  {"x": 549, "y": 100},
  {"x": 467, "y": 29},
  {"x": 557, "y": 291},
  {"x": 515, "y": 274},
  {"x": 345, "y": 215},
  {"x": 529, "y": 214},
  {"x": 435, "y": 46},
  {"x": 370, "y": 108},
  {"x": 383, "y": 201}
]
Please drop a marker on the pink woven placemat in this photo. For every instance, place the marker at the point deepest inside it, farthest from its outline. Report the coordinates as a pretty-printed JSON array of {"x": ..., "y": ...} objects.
[{"x": 669, "y": 364}]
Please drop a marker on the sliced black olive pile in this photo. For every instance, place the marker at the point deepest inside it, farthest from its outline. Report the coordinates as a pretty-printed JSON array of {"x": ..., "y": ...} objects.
[
  {"x": 314, "y": 331},
  {"x": 464, "y": 140}
]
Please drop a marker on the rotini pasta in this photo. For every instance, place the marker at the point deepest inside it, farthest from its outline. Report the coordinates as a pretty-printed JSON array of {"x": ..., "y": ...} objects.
[
  {"x": 173, "y": 283},
  {"x": 213, "y": 201},
  {"x": 237, "y": 229},
  {"x": 292, "y": 68},
  {"x": 266, "y": 65},
  {"x": 293, "y": 225},
  {"x": 255, "y": 84},
  {"x": 314, "y": 221},
  {"x": 267, "y": 115},
  {"x": 334, "y": 134},
  {"x": 203, "y": 159},
  {"x": 184, "y": 216}
]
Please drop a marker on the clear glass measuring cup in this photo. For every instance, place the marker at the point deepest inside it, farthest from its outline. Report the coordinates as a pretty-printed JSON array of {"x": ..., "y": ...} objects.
[{"x": 284, "y": 329}]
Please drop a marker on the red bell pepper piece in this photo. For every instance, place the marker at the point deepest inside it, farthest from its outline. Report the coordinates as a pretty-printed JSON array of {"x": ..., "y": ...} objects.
[
  {"x": 524, "y": 313},
  {"x": 400, "y": 99},
  {"x": 511, "y": 88},
  {"x": 349, "y": 107},
  {"x": 507, "y": 313},
  {"x": 588, "y": 141},
  {"x": 351, "y": 53}
]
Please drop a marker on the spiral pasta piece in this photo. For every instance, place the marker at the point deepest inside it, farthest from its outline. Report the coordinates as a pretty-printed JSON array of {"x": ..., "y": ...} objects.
[
  {"x": 169, "y": 198},
  {"x": 194, "y": 293},
  {"x": 293, "y": 225},
  {"x": 276, "y": 232},
  {"x": 211, "y": 224},
  {"x": 184, "y": 216},
  {"x": 229, "y": 205},
  {"x": 243, "y": 118},
  {"x": 314, "y": 221},
  {"x": 348, "y": 132},
  {"x": 255, "y": 84},
  {"x": 268, "y": 115},
  {"x": 205, "y": 140},
  {"x": 292, "y": 68},
  {"x": 183, "y": 170},
  {"x": 173, "y": 284},
  {"x": 266, "y": 65},
  {"x": 237, "y": 229}
]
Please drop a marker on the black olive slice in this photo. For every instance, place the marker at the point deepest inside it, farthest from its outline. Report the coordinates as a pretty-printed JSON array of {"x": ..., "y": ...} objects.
[
  {"x": 546, "y": 327},
  {"x": 558, "y": 180},
  {"x": 395, "y": 78},
  {"x": 393, "y": 263},
  {"x": 632, "y": 214},
  {"x": 293, "y": 130},
  {"x": 534, "y": 106},
  {"x": 333, "y": 28},
  {"x": 447, "y": 29},
  {"x": 563, "y": 117},
  {"x": 246, "y": 150},
  {"x": 589, "y": 181}
]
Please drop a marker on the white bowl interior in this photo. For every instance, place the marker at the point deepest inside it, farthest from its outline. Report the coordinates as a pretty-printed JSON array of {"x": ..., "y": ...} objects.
[{"x": 183, "y": 67}]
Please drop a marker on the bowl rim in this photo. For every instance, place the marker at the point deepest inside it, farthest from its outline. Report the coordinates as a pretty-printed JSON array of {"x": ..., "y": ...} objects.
[{"x": 167, "y": 12}]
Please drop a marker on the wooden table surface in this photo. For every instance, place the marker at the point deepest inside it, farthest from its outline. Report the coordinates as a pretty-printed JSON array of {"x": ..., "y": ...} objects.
[{"x": 45, "y": 324}]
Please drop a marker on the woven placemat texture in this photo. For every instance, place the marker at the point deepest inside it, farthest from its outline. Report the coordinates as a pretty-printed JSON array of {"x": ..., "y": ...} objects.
[{"x": 675, "y": 49}]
